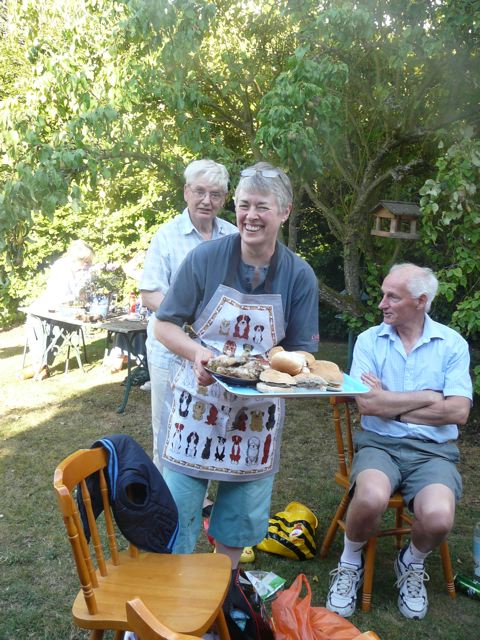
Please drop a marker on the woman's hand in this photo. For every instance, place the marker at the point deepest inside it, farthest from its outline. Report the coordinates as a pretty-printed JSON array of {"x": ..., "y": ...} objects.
[{"x": 202, "y": 356}]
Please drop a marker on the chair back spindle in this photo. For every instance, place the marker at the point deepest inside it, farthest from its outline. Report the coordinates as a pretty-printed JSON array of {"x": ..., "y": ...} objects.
[{"x": 185, "y": 592}]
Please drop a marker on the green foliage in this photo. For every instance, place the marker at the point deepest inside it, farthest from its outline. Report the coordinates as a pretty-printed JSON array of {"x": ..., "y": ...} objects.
[
  {"x": 451, "y": 232},
  {"x": 95, "y": 131}
]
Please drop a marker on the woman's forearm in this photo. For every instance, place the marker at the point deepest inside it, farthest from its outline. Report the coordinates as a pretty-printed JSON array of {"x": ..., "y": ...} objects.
[{"x": 175, "y": 339}]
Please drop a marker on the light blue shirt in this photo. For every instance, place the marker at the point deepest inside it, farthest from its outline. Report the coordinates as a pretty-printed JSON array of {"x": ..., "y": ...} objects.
[
  {"x": 168, "y": 248},
  {"x": 439, "y": 361}
]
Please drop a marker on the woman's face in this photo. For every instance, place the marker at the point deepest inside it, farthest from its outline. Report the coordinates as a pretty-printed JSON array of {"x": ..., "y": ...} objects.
[{"x": 258, "y": 218}]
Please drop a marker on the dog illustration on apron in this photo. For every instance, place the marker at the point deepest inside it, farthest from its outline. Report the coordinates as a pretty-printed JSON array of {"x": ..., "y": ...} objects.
[{"x": 210, "y": 429}]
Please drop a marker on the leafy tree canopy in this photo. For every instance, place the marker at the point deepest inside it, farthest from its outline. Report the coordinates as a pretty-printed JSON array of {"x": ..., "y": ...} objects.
[{"x": 104, "y": 102}]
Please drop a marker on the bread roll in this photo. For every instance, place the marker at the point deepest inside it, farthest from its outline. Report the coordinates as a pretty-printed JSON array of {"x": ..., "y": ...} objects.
[
  {"x": 309, "y": 357},
  {"x": 310, "y": 381},
  {"x": 288, "y": 361},
  {"x": 264, "y": 387},
  {"x": 274, "y": 350},
  {"x": 327, "y": 370},
  {"x": 278, "y": 378}
]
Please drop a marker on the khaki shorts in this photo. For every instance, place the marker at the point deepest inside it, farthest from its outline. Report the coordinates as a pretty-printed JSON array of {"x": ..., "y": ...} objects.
[{"x": 409, "y": 464}]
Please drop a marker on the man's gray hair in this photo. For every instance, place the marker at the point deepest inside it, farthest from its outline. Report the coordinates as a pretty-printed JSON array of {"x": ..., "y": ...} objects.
[
  {"x": 421, "y": 280},
  {"x": 212, "y": 171},
  {"x": 278, "y": 184}
]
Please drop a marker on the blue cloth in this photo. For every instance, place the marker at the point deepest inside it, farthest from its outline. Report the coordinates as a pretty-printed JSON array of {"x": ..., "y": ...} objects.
[
  {"x": 439, "y": 361},
  {"x": 240, "y": 513},
  {"x": 218, "y": 262},
  {"x": 142, "y": 505}
]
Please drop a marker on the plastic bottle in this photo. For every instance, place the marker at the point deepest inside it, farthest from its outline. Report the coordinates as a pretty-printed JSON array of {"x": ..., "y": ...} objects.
[
  {"x": 476, "y": 550},
  {"x": 132, "y": 302}
]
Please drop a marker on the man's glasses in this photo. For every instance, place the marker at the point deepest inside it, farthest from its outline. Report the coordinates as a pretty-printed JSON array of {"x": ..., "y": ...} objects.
[{"x": 214, "y": 196}]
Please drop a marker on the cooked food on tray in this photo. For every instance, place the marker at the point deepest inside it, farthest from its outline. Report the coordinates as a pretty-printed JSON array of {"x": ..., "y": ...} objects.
[
  {"x": 329, "y": 371},
  {"x": 284, "y": 371},
  {"x": 244, "y": 367},
  {"x": 291, "y": 362},
  {"x": 274, "y": 381},
  {"x": 304, "y": 370}
]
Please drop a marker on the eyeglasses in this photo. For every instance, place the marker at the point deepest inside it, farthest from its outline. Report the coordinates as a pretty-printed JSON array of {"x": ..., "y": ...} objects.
[
  {"x": 266, "y": 173},
  {"x": 214, "y": 196}
]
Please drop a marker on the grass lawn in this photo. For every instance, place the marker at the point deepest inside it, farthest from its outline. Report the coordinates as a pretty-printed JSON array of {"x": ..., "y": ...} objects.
[{"x": 42, "y": 422}]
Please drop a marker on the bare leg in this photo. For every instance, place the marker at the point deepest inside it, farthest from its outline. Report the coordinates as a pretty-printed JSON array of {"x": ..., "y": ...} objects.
[
  {"x": 233, "y": 553},
  {"x": 370, "y": 499},
  {"x": 434, "y": 508}
]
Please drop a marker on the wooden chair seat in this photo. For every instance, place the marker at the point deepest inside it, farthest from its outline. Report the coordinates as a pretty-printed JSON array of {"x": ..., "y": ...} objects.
[
  {"x": 186, "y": 592},
  {"x": 342, "y": 421}
]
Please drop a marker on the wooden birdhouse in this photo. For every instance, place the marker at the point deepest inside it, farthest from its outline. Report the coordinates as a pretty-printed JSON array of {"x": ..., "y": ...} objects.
[{"x": 396, "y": 219}]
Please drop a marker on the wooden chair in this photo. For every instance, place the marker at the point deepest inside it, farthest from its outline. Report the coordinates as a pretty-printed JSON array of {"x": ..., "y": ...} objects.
[
  {"x": 342, "y": 421},
  {"x": 186, "y": 592},
  {"x": 147, "y": 627}
]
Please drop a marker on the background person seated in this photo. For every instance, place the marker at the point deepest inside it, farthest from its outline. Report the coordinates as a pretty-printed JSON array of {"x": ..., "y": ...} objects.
[
  {"x": 118, "y": 355},
  {"x": 67, "y": 277}
]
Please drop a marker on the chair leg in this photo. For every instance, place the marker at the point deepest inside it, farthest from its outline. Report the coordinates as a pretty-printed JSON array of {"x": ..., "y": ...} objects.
[
  {"x": 332, "y": 529},
  {"x": 447, "y": 569},
  {"x": 370, "y": 551},
  {"x": 398, "y": 525},
  {"x": 97, "y": 634},
  {"x": 221, "y": 625},
  {"x": 84, "y": 345}
]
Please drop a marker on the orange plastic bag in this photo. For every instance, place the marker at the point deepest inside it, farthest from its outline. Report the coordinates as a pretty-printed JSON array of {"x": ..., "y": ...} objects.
[{"x": 295, "y": 619}]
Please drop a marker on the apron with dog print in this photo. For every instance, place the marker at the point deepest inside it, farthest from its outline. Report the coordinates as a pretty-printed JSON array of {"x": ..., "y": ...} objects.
[{"x": 214, "y": 433}]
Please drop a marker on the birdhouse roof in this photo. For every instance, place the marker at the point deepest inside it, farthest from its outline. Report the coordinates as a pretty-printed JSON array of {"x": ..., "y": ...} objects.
[{"x": 398, "y": 208}]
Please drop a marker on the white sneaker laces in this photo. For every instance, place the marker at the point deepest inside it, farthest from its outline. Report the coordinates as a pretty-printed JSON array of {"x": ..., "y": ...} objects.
[
  {"x": 346, "y": 579},
  {"x": 414, "y": 579}
]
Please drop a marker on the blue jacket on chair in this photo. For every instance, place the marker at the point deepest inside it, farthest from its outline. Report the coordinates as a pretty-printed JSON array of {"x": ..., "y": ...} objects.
[{"x": 141, "y": 502}]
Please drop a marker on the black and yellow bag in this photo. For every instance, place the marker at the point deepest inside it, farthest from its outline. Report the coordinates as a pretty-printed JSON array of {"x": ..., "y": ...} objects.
[{"x": 291, "y": 533}]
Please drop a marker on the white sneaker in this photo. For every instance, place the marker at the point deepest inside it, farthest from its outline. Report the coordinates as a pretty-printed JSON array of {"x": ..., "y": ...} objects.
[
  {"x": 342, "y": 596},
  {"x": 130, "y": 635},
  {"x": 147, "y": 386},
  {"x": 412, "y": 597}
]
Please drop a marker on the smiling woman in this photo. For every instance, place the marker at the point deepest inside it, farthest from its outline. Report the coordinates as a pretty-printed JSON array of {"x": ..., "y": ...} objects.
[{"x": 241, "y": 294}]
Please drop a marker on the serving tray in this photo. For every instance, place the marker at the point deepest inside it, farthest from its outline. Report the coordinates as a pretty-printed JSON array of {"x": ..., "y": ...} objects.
[{"x": 350, "y": 387}]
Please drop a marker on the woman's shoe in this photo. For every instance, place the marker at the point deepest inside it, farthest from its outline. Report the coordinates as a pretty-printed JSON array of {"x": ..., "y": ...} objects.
[
  {"x": 27, "y": 373},
  {"x": 248, "y": 555}
]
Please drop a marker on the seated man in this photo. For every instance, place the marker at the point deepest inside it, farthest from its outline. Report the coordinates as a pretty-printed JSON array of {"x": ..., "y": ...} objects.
[{"x": 418, "y": 372}]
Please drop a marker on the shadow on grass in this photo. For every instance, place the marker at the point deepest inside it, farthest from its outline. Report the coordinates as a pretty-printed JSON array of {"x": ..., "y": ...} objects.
[{"x": 44, "y": 422}]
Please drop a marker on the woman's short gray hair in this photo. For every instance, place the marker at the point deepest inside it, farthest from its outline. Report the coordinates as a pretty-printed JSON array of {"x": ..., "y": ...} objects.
[
  {"x": 264, "y": 178},
  {"x": 212, "y": 171},
  {"x": 421, "y": 280}
]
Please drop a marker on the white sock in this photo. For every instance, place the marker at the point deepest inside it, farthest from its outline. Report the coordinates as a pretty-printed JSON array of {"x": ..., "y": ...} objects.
[
  {"x": 352, "y": 551},
  {"x": 412, "y": 554}
]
